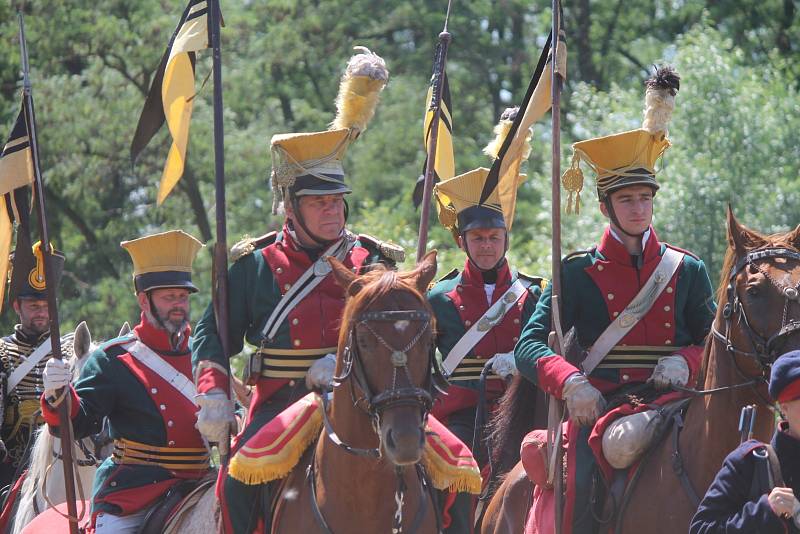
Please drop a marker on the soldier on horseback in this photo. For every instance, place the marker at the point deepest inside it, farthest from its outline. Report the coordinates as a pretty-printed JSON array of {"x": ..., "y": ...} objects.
[
  {"x": 480, "y": 311},
  {"x": 282, "y": 299},
  {"x": 24, "y": 353},
  {"x": 142, "y": 383},
  {"x": 640, "y": 305}
]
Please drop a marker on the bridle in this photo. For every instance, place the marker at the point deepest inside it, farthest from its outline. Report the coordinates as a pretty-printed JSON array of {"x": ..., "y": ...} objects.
[
  {"x": 375, "y": 404},
  {"x": 764, "y": 349}
]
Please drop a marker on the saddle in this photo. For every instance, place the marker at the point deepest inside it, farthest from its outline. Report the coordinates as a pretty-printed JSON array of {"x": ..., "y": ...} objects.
[{"x": 180, "y": 498}]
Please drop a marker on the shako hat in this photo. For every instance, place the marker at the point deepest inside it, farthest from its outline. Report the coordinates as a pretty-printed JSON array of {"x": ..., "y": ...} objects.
[
  {"x": 311, "y": 163},
  {"x": 458, "y": 199},
  {"x": 628, "y": 158},
  {"x": 27, "y": 270},
  {"x": 784, "y": 379},
  {"x": 163, "y": 260}
]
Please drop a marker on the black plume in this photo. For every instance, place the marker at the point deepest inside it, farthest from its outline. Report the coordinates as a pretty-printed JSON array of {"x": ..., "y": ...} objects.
[{"x": 665, "y": 78}]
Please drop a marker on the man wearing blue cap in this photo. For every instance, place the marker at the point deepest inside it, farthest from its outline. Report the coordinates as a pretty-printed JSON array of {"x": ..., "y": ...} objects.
[{"x": 756, "y": 489}]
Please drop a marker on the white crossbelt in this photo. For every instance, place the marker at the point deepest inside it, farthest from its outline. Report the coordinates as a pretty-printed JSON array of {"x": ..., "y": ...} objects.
[
  {"x": 635, "y": 310},
  {"x": 488, "y": 320},
  {"x": 156, "y": 363},
  {"x": 310, "y": 279},
  {"x": 27, "y": 366}
]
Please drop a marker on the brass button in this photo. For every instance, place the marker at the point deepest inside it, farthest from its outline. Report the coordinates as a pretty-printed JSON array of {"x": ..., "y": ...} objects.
[
  {"x": 468, "y": 323},
  {"x": 287, "y": 287},
  {"x": 292, "y": 383},
  {"x": 626, "y": 377},
  {"x": 279, "y": 270},
  {"x": 668, "y": 325},
  {"x": 114, "y": 483},
  {"x": 516, "y": 321},
  {"x": 668, "y": 342},
  {"x": 599, "y": 267},
  {"x": 461, "y": 307},
  {"x": 515, "y": 339},
  {"x": 667, "y": 308},
  {"x": 669, "y": 290},
  {"x": 295, "y": 321},
  {"x": 296, "y": 342},
  {"x": 171, "y": 443},
  {"x": 163, "y": 407},
  {"x": 170, "y": 424},
  {"x": 611, "y": 296},
  {"x": 459, "y": 289},
  {"x": 615, "y": 314},
  {"x": 153, "y": 391}
]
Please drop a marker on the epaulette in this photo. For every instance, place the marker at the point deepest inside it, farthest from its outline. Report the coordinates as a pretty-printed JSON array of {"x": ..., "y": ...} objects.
[
  {"x": 579, "y": 254},
  {"x": 391, "y": 250},
  {"x": 449, "y": 276},
  {"x": 687, "y": 252},
  {"x": 249, "y": 244},
  {"x": 535, "y": 280}
]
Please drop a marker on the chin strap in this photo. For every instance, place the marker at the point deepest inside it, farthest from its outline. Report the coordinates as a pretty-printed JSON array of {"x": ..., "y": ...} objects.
[
  {"x": 175, "y": 338},
  {"x": 613, "y": 216},
  {"x": 469, "y": 256},
  {"x": 299, "y": 217}
]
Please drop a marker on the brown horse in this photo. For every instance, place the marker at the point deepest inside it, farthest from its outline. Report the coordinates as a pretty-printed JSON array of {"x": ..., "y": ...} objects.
[
  {"x": 758, "y": 318},
  {"x": 364, "y": 474}
]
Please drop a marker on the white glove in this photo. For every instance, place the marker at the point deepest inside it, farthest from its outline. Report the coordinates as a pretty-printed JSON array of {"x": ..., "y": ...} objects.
[
  {"x": 57, "y": 375},
  {"x": 670, "y": 370},
  {"x": 503, "y": 364},
  {"x": 215, "y": 417},
  {"x": 320, "y": 374},
  {"x": 584, "y": 402}
]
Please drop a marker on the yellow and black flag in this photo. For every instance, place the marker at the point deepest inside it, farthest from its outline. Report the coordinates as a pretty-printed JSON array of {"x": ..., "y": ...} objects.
[
  {"x": 16, "y": 173},
  {"x": 504, "y": 174},
  {"x": 172, "y": 93},
  {"x": 444, "y": 162}
]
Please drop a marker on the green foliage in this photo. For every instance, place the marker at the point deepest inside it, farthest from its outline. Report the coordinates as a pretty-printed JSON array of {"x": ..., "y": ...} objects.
[{"x": 733, "y": 128}]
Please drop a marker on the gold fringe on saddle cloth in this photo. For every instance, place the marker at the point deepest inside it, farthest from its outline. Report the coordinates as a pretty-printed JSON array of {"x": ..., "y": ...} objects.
[{"x": 274, "y": 451}]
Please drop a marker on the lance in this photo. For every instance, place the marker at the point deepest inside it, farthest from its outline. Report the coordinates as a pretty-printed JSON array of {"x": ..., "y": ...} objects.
[
  {"x": 556, "y": 411},
  {"x": 220, "y": 267},
  {"x": 437, "y": 80},
  {"x": 65, "y": 424}
]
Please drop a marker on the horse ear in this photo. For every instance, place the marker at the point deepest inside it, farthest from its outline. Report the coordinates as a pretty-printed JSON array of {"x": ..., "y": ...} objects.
[
  {"x": 740, "y": 238},
  {"x": 344, "y": 276},
  {"x": 427, "y": 270},
  {"x": 124, "y": 330},
  {"x": 82, "y": 340},
  {"x": 795, "y": 237}
]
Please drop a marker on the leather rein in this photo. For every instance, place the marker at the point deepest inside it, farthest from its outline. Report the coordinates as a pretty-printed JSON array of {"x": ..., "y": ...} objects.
[{"x": 374, "y": 405}]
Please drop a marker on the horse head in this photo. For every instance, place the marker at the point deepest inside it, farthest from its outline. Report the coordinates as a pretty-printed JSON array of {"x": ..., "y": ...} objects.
[
  {"x": 386, "y": 353},
  {"x": 759, "y": 316}
]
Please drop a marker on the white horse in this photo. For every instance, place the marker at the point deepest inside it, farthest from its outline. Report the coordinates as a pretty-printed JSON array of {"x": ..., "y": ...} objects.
[{"x": 45, "y": 478}]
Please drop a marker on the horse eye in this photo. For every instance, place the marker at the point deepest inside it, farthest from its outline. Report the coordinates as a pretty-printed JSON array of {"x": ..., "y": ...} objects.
[{"x": 752, "y": 291}]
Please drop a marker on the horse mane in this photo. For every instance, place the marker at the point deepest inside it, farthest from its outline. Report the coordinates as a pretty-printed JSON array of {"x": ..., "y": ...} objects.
[{"x": 376, "y": 283}]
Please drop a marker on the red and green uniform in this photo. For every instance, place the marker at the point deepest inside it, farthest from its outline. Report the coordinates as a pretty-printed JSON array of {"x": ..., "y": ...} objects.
[
  {"x": 256, "y": 283},
  {"x": 141, "y": 407},
  {"x": 596, "y": 287},
  {"x": 459, "y": 300}
]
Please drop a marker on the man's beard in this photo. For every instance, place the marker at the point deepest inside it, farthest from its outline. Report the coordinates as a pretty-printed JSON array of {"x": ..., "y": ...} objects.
[
  {"x": 170, "y": 325},
  {"x": 34, "y": 329}
]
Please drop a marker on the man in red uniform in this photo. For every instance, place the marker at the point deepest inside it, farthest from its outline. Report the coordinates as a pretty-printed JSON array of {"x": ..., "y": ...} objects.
[{"x": 142, "y": 383}]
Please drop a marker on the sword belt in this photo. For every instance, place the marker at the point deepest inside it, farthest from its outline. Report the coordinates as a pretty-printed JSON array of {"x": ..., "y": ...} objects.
[{"x": 128, "y": 452}]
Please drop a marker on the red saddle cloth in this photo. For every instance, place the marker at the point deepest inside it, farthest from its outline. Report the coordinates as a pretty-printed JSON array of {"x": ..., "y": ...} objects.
[
  {"x": 52, "y": 522},
  {"x": 273, "y": 451}
]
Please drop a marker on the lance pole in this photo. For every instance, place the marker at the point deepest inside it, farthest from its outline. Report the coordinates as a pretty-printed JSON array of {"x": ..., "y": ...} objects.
[
  {"x": 220, "y": 269},
  {"x": 437, "y": 82},
  {"x": 65, "y": 425},
  {"x": 556, "y": 82}
]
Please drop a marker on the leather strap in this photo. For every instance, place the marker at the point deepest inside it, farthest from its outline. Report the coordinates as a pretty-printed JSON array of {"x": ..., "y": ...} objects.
[
  {"x": 30, "y": 362},
  {"x": 146, "y": 356},
  {"x": 635, "y": 310},
  {"x": 310, "y": 279},
  {"x": 488, "y": 320}
]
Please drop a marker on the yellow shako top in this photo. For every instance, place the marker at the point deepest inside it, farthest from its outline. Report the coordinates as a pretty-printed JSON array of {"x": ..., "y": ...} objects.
[
  {"x": 163, "y": 260},
  {"x": 311, "y": 163},
  {"x": 458, "y": 200},
  {"x": 628, "y": 158}
]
